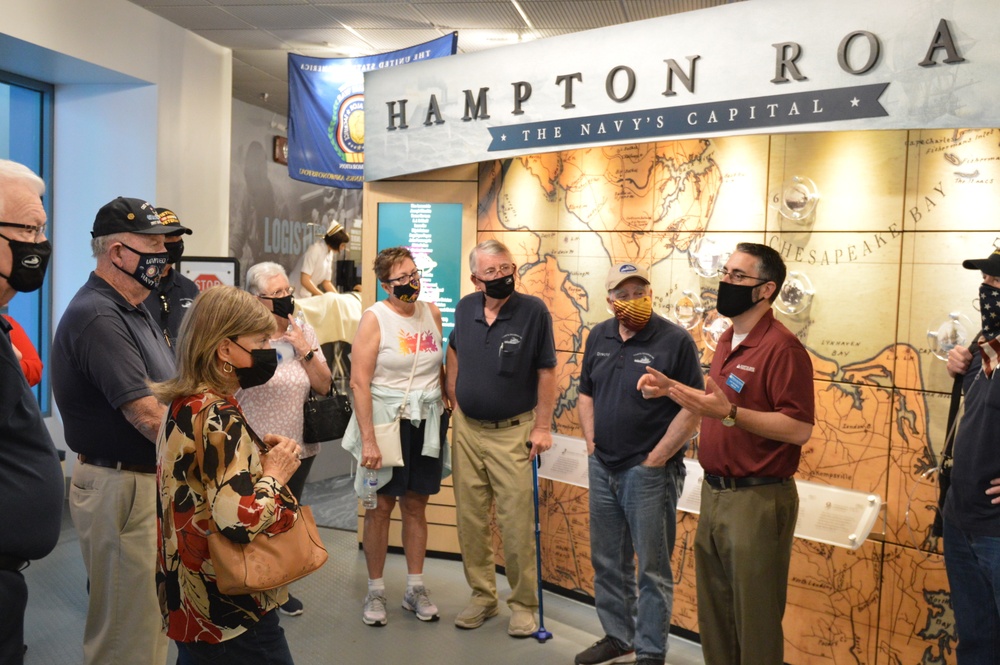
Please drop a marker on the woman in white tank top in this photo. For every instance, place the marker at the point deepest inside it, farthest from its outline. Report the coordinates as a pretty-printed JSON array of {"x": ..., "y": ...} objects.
[{"x": 392, "y": 336}]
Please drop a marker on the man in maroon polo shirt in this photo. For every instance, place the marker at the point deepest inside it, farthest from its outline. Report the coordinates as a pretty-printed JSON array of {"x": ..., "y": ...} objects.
[{"x": 757, "y": 411}]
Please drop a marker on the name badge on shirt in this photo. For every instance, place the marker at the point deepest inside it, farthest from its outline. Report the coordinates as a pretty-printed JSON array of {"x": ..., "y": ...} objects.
[{"x": 735, "y": 382}]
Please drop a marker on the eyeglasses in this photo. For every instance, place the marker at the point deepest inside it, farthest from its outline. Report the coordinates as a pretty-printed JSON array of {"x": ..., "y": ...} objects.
[
  {"x": 502, "y": 270},
  {"x": 37, "y": 231},
  {"x": 738, "y": 277},
  {"x": 629, "y": 294},
  {"x": 406, "y": 279},
  {"x": 278, "y": 294}
]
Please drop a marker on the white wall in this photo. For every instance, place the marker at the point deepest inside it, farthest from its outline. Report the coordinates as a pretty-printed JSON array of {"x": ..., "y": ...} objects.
[{"x": 142, "y": 108}]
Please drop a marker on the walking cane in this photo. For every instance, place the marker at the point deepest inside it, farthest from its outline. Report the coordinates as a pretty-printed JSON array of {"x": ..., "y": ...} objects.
[{"x": 541, "y": 634}]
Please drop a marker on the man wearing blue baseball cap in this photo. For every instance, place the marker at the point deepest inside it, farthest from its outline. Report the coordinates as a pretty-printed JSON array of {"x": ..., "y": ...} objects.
[{"x": 106, "y": 350}]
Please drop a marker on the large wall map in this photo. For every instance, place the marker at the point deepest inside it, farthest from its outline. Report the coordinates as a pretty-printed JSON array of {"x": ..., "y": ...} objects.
[{"x": 898, "y": 213}]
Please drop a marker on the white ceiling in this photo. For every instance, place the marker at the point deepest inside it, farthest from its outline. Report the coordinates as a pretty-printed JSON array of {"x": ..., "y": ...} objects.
[{"x": 262, "y": 32}]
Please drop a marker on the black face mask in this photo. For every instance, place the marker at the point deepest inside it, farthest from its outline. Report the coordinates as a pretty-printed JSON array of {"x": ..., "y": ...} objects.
[
  {"x": 282, "y": 307},
  {"x": 408, "y": 292},
  {"x": 28, "y": 262},
  {"x": 175, "y": 250},
  {"x": 264, "y": 362},
  {"x": 735, "y": 299},
  {"x": 149, "y": 268},
  {"x": 499, "y": 288}
]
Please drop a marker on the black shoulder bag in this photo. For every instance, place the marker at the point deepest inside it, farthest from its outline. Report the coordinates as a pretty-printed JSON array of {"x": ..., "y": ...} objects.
[{"x": 325, "y": 417}]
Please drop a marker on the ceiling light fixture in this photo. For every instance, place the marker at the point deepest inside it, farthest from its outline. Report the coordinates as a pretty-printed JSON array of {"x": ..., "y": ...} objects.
[{"x": 524, "y": 17}]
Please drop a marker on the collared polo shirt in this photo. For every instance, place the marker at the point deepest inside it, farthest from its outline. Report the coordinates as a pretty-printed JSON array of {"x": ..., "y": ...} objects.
[
  {"x": 31, "y": 478},
  {"x": 498, "y": 364},
  {"x": 627, "y": 426},
  {"x": 179, "y": 293},
  {"x": 769, "y": 371},
  {"x": 103, "y": 352}
]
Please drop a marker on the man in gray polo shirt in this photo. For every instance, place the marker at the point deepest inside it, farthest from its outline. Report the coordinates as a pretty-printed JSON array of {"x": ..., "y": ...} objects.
[
  {"x": 636, "y": 468},
  {"x": 501, "y": 375},
  {"x": 105, "y": 349}
]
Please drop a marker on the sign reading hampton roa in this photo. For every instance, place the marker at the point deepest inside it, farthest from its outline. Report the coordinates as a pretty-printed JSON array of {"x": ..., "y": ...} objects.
[{"x": 761, "y": 66}]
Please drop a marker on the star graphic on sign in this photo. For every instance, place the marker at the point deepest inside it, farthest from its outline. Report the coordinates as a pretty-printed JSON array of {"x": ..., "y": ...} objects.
[
  {"x": 503, "y": 137},
  {"x": 855, "y": 101}
]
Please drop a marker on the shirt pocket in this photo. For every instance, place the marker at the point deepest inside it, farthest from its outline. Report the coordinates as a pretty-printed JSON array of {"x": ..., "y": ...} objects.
[{"x": 508, "y": 358}]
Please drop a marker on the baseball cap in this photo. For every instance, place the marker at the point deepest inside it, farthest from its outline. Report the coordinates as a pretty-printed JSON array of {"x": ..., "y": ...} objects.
[
  {"x": 619, "y": 272},
  {"x": 988, "y": 266},
  {"x": 125, "y": 215},
  {"x": 169, "y": 217}
]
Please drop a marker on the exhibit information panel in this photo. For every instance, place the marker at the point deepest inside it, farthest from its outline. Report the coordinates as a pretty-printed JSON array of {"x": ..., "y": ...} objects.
[{"x": 433, "y": 233}]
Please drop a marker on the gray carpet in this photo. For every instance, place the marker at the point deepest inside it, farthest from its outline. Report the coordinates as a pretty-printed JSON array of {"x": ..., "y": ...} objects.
[{"x": 334, "y": 503}]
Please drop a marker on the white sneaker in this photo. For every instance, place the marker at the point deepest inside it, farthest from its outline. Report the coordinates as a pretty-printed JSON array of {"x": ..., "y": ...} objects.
[
  {"x": 374, "y": 612},
  {"x": 416, "y": 600}
]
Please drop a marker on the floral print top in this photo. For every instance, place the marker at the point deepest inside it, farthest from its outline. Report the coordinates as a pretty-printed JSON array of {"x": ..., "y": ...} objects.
[{"x": 233, "y": 490}]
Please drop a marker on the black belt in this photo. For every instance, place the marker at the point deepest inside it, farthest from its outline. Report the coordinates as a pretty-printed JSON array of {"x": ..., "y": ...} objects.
[
  {"x": 723, "y": 483},
  {"x": 13, "y": 563},
  {"x": 120, "y": 466}
]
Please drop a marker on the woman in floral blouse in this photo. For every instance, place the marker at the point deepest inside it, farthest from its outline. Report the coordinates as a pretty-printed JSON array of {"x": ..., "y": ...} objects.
[{"x": 240, "y": 489}]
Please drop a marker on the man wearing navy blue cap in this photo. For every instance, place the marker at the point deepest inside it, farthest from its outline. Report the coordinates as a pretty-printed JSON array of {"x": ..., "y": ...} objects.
[
  {"x": 169, "y": 301},
  {"x": 106, "y": 348},
  {"x": 972, "y": 506}
]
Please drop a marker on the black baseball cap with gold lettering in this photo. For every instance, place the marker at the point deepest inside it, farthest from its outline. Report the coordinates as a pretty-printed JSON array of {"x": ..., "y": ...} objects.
[
  {"x": 125, "y": 215},
  {"x": 988, "y": 266}
]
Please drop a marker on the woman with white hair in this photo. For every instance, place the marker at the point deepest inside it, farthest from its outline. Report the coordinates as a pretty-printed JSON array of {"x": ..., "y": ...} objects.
[{"x": 276, "y": 406}]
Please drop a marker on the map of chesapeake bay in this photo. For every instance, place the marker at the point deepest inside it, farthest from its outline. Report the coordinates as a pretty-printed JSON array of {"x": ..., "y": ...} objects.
[{"x": 880, "y": 281}]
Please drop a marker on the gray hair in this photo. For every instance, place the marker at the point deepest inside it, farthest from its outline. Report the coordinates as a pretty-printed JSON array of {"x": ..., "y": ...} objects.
[
  {"x": 491, "y": 247},
  {"x": 100, "y": 245},
  {"x": 260, "y": 274},
  {"x": 15, "y": 172}
]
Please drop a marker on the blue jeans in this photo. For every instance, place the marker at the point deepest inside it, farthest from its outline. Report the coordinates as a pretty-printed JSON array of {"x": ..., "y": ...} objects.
[
  {"x": 633, "y": 513},
  {"x": 262, "y": 644},
  {"x": 973, "y": 565}
]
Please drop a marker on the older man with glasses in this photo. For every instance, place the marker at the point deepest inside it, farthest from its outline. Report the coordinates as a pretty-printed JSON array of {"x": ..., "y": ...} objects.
[
  {"x": 636, "y": 468},
  {"x": 501, "y": 375},
  {"x": 31, "y": 480}
]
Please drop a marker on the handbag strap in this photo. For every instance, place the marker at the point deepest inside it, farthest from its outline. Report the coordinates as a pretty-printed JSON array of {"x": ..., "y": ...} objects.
[
  {"x": 198, "y": 425},
  {"x": 953, "y": 407},
  {"x": 413, "y": 371}
]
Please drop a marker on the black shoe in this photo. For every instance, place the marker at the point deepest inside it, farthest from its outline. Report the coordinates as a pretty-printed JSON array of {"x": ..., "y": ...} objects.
[
  {"x": 605, "y": 652},
  {"x": 292, "y": 607}
]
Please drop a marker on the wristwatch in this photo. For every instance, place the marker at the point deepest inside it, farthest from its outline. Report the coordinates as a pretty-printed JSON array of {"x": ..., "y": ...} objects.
[
  {"x": 309, "y": 356},
  {"x": 730, "y": 420}
]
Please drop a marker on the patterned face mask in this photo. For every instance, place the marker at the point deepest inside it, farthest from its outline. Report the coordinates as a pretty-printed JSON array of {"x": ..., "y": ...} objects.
[
  {"x": 633, "y": 314},
  {"x": 408, "y": 292}
]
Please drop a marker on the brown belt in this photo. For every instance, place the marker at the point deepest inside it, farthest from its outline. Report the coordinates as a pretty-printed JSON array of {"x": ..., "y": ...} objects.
[
  {"x": 120, "y": 466},
  {"x": 508, "y": 422}
]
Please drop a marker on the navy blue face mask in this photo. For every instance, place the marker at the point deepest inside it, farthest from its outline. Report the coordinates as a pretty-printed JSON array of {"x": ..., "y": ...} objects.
[{"x": 149, "y": 268}]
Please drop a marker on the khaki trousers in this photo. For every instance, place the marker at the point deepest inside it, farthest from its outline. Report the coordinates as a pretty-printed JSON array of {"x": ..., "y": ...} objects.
[
  {"x": 491, "y": 466},
  {"x": 741, "y": 552},
  {"x": 115, "y": 516}
]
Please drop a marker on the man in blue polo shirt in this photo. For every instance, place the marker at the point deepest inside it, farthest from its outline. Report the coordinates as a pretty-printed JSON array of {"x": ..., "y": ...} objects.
[
  {"x": 106, "y": 348},
  {"x": 636, "y": 468},
  {"x": 501, "y": 375}
]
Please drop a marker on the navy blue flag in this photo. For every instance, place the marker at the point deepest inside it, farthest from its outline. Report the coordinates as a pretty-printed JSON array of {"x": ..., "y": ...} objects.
[{"x": 326, "y": 119}]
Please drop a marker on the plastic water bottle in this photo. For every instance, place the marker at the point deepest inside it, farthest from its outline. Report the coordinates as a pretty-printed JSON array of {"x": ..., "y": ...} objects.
[{"x": 369, "y": 497}]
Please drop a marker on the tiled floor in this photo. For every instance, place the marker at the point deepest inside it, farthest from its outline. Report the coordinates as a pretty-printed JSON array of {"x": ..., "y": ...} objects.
[{"x": 330, "y": 630}]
